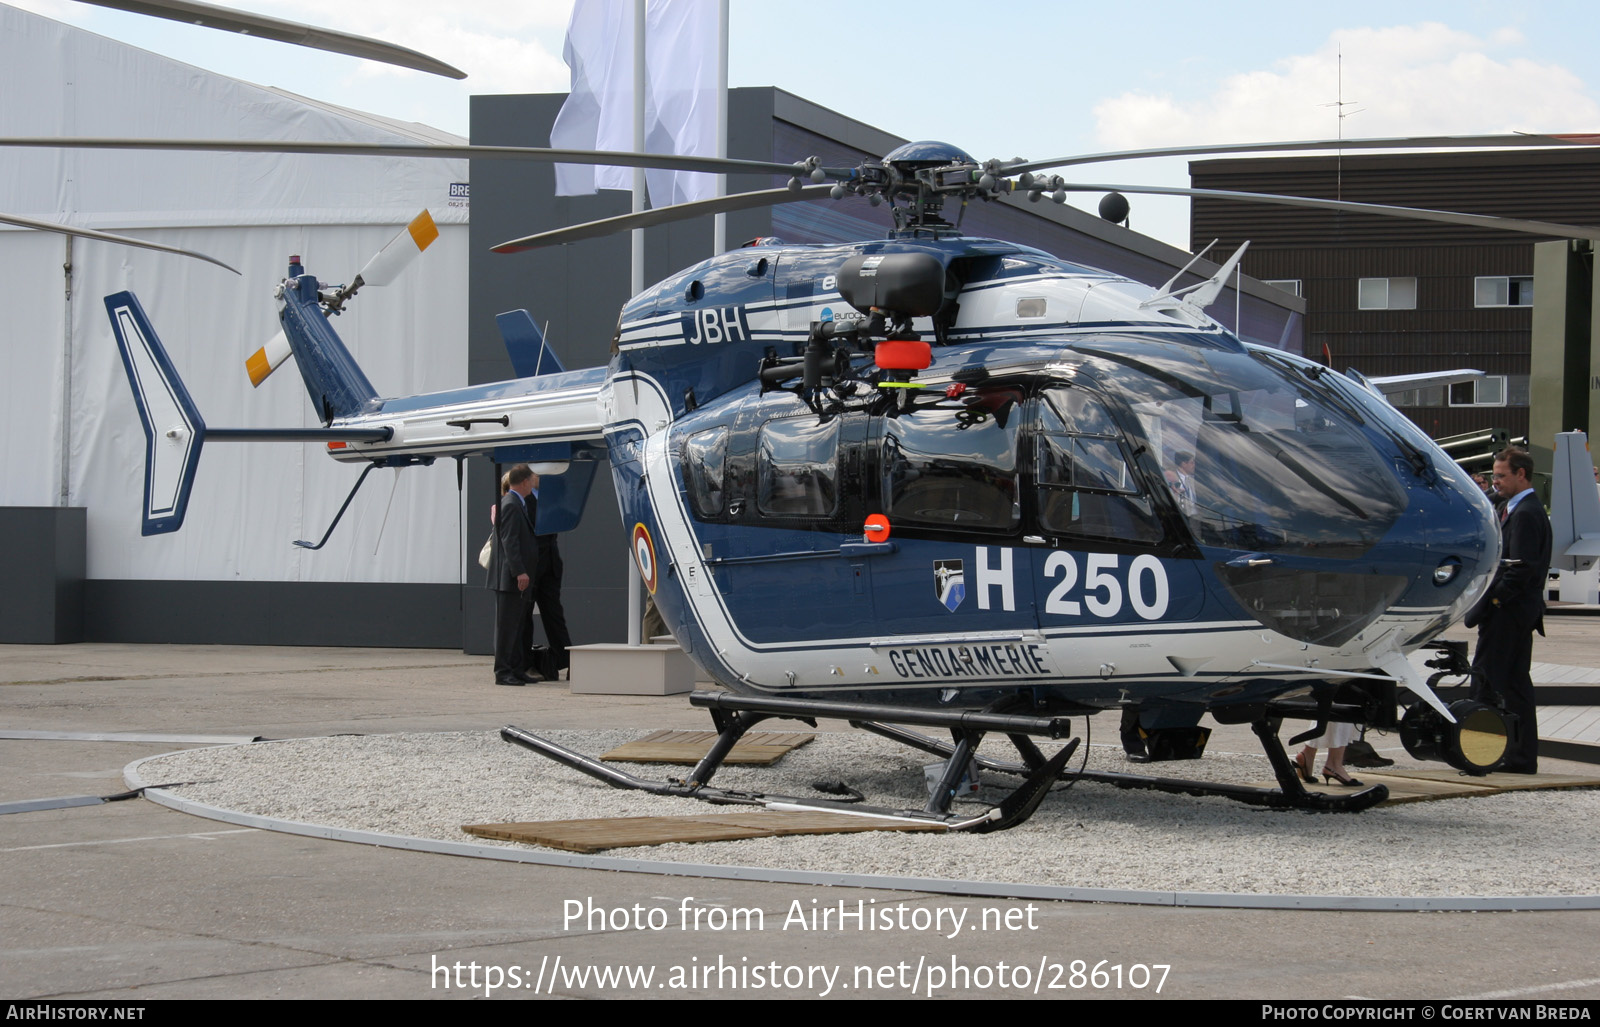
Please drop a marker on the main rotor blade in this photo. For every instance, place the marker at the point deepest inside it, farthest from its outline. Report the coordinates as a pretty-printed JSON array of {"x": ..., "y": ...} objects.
[
  {"x": 210, "y": 16},
  {"x": 89, "y": 233},
  {"x": 1398, "y": 143},
  {"x": 662, "y": 216},
  {"x": 1552, "y": 229},
  {"x": 619, "y": 158}
]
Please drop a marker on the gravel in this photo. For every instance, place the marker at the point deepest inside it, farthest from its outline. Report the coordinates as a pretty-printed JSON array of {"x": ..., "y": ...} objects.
[{"x": 1088, "y": 835}]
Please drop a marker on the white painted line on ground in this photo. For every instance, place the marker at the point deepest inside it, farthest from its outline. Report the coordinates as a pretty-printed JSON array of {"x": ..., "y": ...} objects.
[{"x": 204, "y": 836}]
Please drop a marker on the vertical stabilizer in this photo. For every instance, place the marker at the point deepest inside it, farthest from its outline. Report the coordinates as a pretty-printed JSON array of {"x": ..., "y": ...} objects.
[
  {"x": 1574, "y": 505},
  {"x": 173, "y": 429},
  {"x": 530, "y": 354}
]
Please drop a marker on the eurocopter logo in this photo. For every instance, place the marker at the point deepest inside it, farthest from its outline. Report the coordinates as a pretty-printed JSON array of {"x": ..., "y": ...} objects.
[{"x": 949, "y": 583}]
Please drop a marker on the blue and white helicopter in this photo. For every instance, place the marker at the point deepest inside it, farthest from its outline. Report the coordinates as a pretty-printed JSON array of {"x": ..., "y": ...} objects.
[{"x": 950, "y": 482}]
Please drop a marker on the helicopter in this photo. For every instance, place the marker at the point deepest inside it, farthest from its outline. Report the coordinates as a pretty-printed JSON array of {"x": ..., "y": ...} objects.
[{"x": 925, "y": 480}]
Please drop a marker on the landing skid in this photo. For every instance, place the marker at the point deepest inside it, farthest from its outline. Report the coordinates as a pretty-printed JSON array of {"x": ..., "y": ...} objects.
[
  {"x": 1290, "y": 793},
  {"x": 734, "y": 715}
]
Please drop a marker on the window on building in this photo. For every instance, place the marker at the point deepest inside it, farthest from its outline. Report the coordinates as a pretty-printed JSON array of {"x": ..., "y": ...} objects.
[
  {"x": 1432, "y": 396},
  {"x": 1388, "y": 294},
  {"x": 1485, "y": 392},
  {"x": 1503, "y": 292},
  {"x": 1289, "y": 285}
]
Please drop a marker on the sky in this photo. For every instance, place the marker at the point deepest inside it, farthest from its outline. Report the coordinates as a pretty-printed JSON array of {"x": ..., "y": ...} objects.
[{"x": 1033, "y": 81}]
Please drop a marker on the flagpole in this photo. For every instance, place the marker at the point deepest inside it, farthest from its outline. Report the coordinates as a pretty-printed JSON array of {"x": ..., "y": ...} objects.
[
  {"x": 635, "y": 592},
  {"x": 637, "y": 282},
  {"x": 719, "y": 224}
]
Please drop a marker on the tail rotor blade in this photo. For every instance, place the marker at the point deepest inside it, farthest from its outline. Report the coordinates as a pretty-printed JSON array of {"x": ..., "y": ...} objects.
[
  {"x": 266, "y": 360},
  {"x": 400, "y": 251}
]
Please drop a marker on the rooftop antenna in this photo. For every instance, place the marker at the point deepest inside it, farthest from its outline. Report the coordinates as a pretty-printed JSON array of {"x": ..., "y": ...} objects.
[{"x": 1339, "y": 106}]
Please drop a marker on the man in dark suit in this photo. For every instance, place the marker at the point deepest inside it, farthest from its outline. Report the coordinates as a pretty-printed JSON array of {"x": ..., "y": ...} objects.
[
  {"x": 547, "y": 596},
  {"x": 1513, "y": 608},
  {"x": 512, "y": 568}
]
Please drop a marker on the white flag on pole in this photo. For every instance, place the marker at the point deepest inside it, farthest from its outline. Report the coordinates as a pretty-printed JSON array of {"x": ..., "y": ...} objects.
[
  {"x": 680, "y": 99},
  {"x": 681, "y": 69},
  {"x": 598, "y": 114}
]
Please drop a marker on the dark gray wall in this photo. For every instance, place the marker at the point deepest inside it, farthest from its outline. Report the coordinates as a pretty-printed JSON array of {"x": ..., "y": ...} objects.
[
  {"x": 42, "y": 558},
  {"x": 273, "y": 613}
]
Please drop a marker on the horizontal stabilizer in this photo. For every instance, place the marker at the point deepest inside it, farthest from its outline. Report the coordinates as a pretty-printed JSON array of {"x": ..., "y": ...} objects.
[
  {"x": 173, "y": 429},
  {"x": 1390, "y": 384},
  {"x": 530, "y": 354}
]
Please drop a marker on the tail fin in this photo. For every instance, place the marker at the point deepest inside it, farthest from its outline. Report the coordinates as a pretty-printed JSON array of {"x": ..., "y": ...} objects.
[
  {"x": 173, "y": 428},
  {"x": 1574, "y": 505},
  {"x": 530, "y": 354}
]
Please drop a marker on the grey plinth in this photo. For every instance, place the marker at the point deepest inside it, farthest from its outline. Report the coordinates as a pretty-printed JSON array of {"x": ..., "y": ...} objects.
[
  {"x": 42, "y": 559},
  {"x": 609, "y": 669}
]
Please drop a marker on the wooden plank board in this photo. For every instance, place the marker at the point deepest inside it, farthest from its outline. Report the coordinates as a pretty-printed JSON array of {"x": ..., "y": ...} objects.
[
  {"x": 1563, "y": 673},
  {"x": 622, "y": 832},
  {"x": 1573, "y": 723},
  {"x": 1420, "y": 785},
  {"x": 759, "y": 748},
  {"x": 1494, "y": 782}
]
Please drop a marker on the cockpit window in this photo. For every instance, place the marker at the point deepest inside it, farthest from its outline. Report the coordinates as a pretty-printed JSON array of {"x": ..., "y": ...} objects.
[
  {"x": 1085, "y": 484},
  {"x": 798, "y": 474},
  {"x": 1076, "y": 411},
  {"x": 704, "y": 460},
  {"x": 1256, "y": 457},
  {"x": 954, "y": 468}
]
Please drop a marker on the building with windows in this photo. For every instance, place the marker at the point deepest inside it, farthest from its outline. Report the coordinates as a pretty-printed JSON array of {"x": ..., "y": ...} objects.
[{"x": 1391, "y": 296}]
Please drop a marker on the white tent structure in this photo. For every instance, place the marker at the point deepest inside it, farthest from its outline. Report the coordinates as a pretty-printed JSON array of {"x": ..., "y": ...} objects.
[{"x": 69, "y": 432}]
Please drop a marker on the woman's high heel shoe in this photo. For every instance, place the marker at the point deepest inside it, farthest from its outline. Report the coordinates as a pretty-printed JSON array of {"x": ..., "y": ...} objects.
[
  {"x": 1302, "y": 766},
  {"x": 1340, "y": 776}
]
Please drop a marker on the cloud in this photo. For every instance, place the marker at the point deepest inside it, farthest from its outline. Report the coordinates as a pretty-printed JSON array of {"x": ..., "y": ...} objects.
[
  {"x": 60, "y": 10},
  {"x": 1406, "y": 80},
  {"x": 504, "y": 45}
]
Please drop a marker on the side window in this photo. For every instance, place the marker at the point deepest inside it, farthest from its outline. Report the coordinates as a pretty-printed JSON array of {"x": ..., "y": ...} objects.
[
  {"x": 797, "y": 468},
  {"x": 946, "y": 468},
  {"x": 1084, "y": 484},
  {"x": 704, "y": 471}
]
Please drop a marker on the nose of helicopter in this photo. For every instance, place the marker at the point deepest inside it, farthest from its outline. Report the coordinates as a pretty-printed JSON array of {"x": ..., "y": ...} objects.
[
  {"x": 1434, "y": 561},
  {"x": 1450, "y": 537}
]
